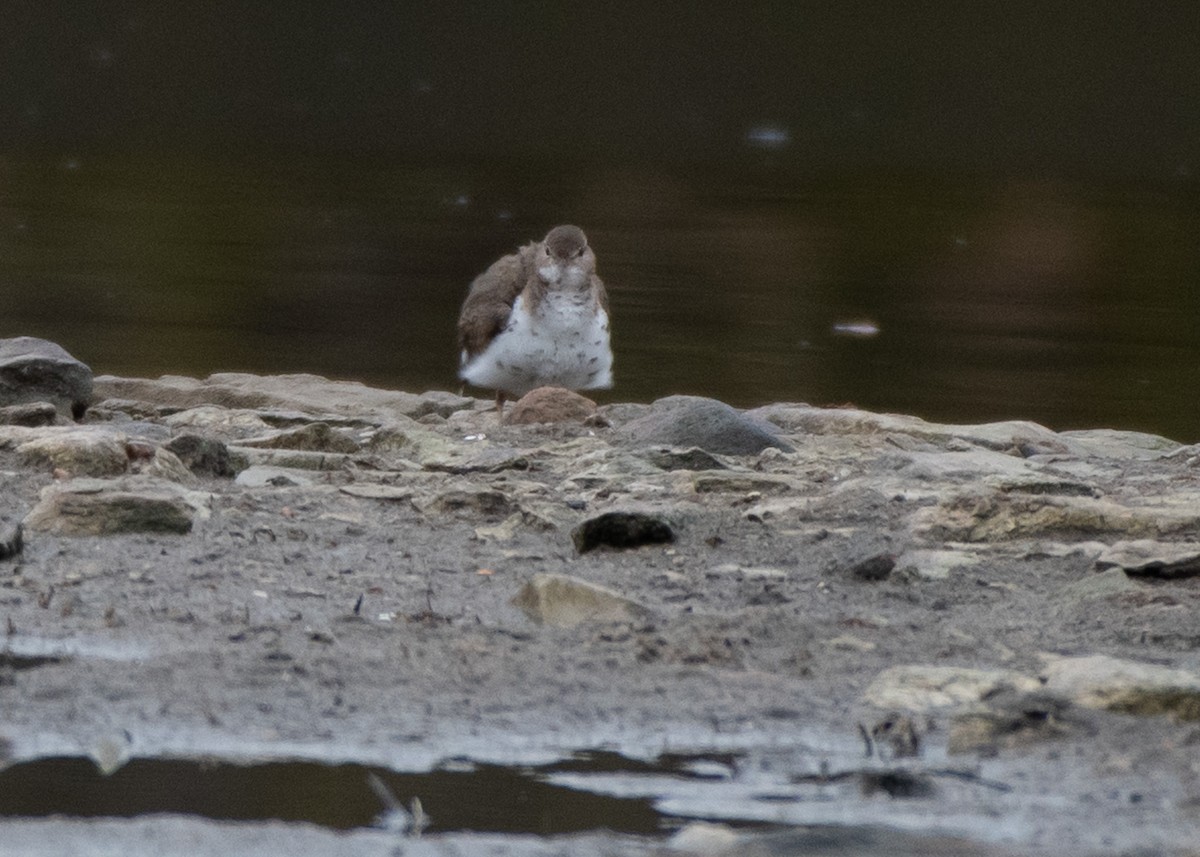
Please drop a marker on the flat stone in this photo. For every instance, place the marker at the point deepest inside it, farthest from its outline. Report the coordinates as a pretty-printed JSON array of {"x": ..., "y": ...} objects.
[
  {"x": 414, "y": 442},
  {"x": 488, "y": 502},
  {"x": 692, "y": 458},
  {"x": 31, "y": 414},
  {"x": 230, "y": 422},
  {"x": 296, "y": 459},
  {"x": 310, "y": 394},
  {"x": 550, "y": 405},
  {"x": 1115, "y": 444},
  {"x": 1002, "y": 436},
  {"x": 1104, "y": 584},
  {"x": 79, "y": 452},
  {"x": 564, "y": 601},
  {"x": 36, "y": 370},
  {"x": 1129, "y": 687},
  {"x": 314, "y": 437},
  {"x": 990, "y": 517},
  {"x": 109, "y": 506},
  {"x": 1150, "y": 558},
  {"x": 378, "y": 491},
  {"x": 692, "y": 421},
  {"x": 622, "y": 529},
  {"x": 268, "y": 476},
  {"x": 922, "y": 688},
  {"x": 480, "y": 458},
  {"x": 937, "y": 564},
  {"x": 742, "y": 483}
]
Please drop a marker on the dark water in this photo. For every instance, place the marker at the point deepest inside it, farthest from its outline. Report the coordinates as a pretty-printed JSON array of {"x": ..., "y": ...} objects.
[
  {"x": 965, "y": 298},
  {"x": 340, "y": 796}
]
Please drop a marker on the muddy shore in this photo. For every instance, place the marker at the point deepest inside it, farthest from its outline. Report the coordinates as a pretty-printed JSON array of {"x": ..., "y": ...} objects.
[{"x": 793, "y": 621}]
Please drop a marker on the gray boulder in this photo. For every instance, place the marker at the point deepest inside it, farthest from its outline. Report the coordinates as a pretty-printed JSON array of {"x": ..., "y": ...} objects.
[
  {"x": 35, "y": 370},
  {"x": 693, "y": 421}
]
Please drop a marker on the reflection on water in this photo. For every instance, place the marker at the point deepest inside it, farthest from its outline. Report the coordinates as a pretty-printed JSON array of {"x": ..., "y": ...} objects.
[{"x": 959, "y": 300}]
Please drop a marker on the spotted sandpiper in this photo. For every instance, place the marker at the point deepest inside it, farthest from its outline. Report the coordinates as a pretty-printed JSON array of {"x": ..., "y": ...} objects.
[{"x": 538, "y": 317}]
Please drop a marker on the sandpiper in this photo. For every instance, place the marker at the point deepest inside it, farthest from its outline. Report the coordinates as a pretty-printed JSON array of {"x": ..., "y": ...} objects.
[{"x": 538, "y": 317}]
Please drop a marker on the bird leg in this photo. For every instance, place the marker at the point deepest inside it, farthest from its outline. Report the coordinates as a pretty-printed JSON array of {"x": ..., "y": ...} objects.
[{"x": 500, "y": 402}]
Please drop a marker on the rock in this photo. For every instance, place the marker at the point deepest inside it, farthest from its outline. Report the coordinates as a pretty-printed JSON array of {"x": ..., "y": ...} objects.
[
  {"x": 440, "y": 403},
  {"x": 628, "y": 529},
  {"x": 202, "y": 455},
  {"x": 1149, "y": 558},
  {"x": 14, "y": 544},
  {"x": 937, "y": 564},
  {"x": 564, "y": 601},
  {"x": 1008, "y": 719},
  {"x": 471, "y": 500},
  {"x": 873, "y": 569},
  {"x": 762, "y": 573},
  {"x": 480, "y": 458},
  {"x": 108, "y": 506},
  {"x": 692, "y": 421},
  {"x": 1104, "y": 584},
  {"x": 1002, "y": 437},
  {"x": 230, "y": 422},
  {"x": 377, "y": 491},
  {"x": 31, "y": 414},
  {"x": 313, "y": 437},
  {"x": 1129, "y": 687},
  {"x": 268, "y": 476},
  {"x": 692, "y": 458},
  {"x": 417, "y": 443},
  {"x": 35, "y": 370},
  {"x": 550, "y": 405},
  {"x": 80, "y": 452},
  {"x": 989, "y": 517},
  {"x": 505, "y": 531},
  {"x": 703, "y": 837},
  {"x": 743, "y": 483},
  {"x": 166, "y": 465},
  {"x": 310, "y": 394},
  {"x": 921, "y": 688},
  {"x": 295, "y": 459},
  {"x": 851, "y": 643},
  {"x": 1111, "y": 443}
]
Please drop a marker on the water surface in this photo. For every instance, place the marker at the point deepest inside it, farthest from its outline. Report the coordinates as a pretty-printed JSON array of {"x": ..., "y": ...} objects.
[{"x": 956, "y": 297}]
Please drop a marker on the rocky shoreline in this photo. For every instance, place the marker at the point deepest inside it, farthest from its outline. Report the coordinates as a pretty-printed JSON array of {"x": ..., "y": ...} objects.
[{"x": 984, "y": 630}]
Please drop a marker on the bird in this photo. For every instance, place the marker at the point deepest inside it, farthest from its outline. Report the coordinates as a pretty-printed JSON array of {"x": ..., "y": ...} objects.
[{"x": 537, "y": 317}]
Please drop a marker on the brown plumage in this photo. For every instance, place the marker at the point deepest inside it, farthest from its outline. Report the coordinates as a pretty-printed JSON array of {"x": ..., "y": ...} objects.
[{"x": 546, "y": 299}]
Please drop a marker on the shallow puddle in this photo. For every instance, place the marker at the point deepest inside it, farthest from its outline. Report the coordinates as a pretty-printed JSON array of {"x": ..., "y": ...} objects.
[{"x": 470, "y": 797}]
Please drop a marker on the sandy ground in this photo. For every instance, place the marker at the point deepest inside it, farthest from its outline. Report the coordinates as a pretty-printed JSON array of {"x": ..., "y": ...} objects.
[{"x": 305, "y": 623}]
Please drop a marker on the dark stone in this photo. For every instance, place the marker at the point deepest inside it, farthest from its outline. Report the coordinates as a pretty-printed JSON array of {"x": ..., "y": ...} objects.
[
  {"x": 35, "y": 370},
  {"x": 874, "y": 568},
  {"x": 692, "y": 421},
  {"x": 622, "y": 530},
  {"x": 896, "y": 783},
  {"x": 202, "y": 455},
  {"x": 13, "y": 545}
]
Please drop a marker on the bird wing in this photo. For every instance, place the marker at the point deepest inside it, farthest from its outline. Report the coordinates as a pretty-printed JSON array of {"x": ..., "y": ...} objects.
[
  {"x": 601, "y": 293},
  {"x": 490, "y": 300}
]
